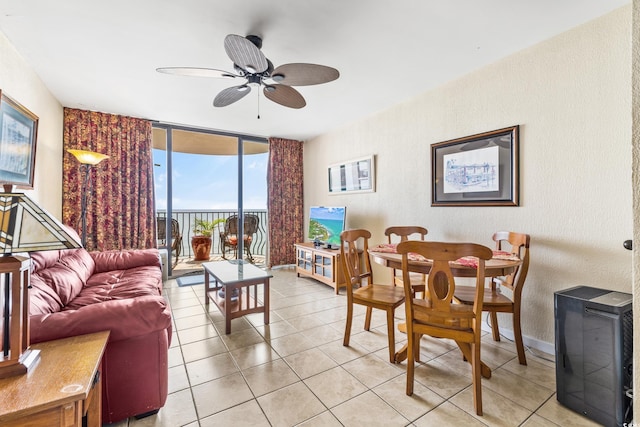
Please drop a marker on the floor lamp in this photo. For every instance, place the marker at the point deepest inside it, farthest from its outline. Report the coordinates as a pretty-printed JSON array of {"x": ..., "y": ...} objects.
[
  {"x": 24, "y": 227},
  {"x": 86, "y": 159}
]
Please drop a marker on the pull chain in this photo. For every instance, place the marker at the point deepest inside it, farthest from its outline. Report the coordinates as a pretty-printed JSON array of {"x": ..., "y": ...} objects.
[{"x": 259, "y": 102}]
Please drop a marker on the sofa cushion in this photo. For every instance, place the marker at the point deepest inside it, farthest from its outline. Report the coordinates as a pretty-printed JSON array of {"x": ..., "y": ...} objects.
[
  {"x": 63, "y": 280},
  {"x": 123, "y": 260},
  {"x": 79, "y": 261},
  {"x": 118, "y": 285},
  {"x": 42, "y": 260},
  {"x": 126, "y": 319},
  {"x": 42, "y": 298}
]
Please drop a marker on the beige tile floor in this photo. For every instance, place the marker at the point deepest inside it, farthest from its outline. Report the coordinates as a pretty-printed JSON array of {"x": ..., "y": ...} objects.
[{"x": 295, "y": 371}]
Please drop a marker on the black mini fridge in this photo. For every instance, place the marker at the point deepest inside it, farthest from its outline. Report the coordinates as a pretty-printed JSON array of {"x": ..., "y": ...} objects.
[{"x": 594, "y": 353}]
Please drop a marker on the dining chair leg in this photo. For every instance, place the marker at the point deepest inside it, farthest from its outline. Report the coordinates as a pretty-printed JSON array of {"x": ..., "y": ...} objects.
[
  {"x": 391, "y": 334},
  {"x": 347, "y": 329},
  {"x": 477, "y": 378},
  {"x": 367, "y": 319},
  {"x": 517, "y": 335},
  {"x": 411, "y": 342},
  {"x": 495, "y": 330},
  {"x": 416, "y": 353}
]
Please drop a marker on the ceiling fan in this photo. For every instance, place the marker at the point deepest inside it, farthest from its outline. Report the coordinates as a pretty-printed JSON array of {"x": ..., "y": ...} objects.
[{"x": 250, "y": 64}]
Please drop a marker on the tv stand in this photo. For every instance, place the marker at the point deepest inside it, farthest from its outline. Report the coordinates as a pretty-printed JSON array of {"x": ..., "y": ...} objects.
[{"x": 320, "y": 263}]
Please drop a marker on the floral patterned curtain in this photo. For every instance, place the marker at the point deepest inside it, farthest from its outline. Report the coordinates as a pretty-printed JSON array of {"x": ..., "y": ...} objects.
[
  {"x": 121, "y": 206},
  {"x": 285, "y": 199}
]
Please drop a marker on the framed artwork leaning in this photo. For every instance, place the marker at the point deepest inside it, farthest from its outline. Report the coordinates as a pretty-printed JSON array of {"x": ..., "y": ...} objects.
[
  {"x": 18, "y": 136},
  {"x": 476, "y": 170}
]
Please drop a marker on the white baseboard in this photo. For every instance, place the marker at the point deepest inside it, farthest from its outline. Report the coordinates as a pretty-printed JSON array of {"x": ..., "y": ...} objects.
[{"x": 539, "y": 345}]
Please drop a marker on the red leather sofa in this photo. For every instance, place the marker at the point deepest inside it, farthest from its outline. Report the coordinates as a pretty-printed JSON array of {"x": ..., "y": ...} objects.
[{"x": 75, "y": 292}]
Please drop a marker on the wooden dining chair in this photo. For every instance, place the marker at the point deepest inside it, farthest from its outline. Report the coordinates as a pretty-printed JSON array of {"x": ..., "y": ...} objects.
[
  {"x": 401, "y": 233},
  {"x": 497, "y": 302},
  {"x": 437, "y": 314},
  {"x": 361, "y": 288}
]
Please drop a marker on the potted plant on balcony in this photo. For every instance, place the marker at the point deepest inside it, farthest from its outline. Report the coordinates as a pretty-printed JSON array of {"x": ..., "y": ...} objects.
[{"x": 201, "y": 240}]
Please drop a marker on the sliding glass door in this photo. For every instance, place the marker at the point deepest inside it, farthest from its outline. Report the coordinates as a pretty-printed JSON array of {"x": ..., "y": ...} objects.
[{"x": 204, "y": 182}]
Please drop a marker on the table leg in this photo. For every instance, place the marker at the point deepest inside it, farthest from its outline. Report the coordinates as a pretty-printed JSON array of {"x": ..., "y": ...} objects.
[
  {"x": 206, "y": 289},
  {"x": 266, "y": 301},
  {"x": 228, "y": 291},
  {"x": 94, "y": 410},
  {"x": 485, "y": 370},
  {"x": 401, "y": 355}
]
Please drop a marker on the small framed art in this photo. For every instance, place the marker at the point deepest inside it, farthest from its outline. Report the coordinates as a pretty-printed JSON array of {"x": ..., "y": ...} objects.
[
  {"x": 18, "y": 136},
  {"x": 356, "y": 175},
  {"x": 476, "y": 170}
]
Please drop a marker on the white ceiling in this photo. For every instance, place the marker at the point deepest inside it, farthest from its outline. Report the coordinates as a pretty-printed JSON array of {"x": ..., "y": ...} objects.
[{"x": 102, "y": 55}]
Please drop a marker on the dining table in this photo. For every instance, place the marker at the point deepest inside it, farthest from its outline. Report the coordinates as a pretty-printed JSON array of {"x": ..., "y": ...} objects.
[{"x": 501, "y": 264}]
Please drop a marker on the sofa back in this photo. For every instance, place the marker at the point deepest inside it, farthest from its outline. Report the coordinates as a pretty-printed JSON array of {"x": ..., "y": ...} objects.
[{"x": 57, "y": 277}]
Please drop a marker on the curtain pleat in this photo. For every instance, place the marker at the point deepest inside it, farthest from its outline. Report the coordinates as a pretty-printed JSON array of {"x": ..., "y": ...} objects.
[
  {"x": 121, "y": 206},
  {"x": 285, "y": 199}
]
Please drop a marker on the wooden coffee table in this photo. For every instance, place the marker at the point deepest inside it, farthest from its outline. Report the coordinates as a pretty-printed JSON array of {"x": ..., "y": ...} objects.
[
  {"x": 234, "y": 289},
  {"x": 62, "y": 389}
]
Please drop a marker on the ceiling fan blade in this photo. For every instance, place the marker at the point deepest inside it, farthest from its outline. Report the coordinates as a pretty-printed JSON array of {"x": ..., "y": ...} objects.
[
  {"x": 230, "y": 95},
  {"x": 245, "y": 54},
  {"x": 196, "y": 72},
  {"x": 304, "y": 74},
  {"x": 284, "y": 95}
]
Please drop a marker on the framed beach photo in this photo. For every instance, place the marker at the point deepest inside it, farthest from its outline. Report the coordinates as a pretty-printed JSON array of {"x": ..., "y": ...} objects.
[
  {"x": 18, "y": 135},
  {"x": 476, "y": 170}
]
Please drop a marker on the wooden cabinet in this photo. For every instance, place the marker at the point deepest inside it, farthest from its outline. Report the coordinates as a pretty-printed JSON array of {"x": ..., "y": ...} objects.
[
  {"x": 63, "y": 389},
  {"x": 321, "y": 264}
]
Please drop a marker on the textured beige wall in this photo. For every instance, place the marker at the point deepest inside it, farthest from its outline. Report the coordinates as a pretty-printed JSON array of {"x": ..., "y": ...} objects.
[
  {"x": 20, "y": 82},
  {"x": 570, "y": 95},
  {"x": 636, "y": 194}
]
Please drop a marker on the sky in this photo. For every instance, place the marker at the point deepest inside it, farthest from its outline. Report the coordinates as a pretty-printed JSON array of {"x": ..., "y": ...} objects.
[{"x": 208, "y": 182}]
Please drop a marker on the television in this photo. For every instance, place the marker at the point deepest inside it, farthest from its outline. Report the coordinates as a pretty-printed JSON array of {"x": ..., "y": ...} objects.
[{"x": 325, "y": 225}]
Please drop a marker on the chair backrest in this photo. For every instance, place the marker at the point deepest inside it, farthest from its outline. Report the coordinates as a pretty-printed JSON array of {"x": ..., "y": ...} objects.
[
  {"x": 404, "y": 232},
  {"x": 441, "y": 282},
  {"x": 251, "y": 223},
  {"x": 519, "y": 243},
  {"x": 162, "y": 228},
  {"x": 355, "y": 271}
]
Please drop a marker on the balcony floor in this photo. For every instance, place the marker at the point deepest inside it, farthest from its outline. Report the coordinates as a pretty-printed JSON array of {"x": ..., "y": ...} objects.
[{"x": 190, "y": 266}]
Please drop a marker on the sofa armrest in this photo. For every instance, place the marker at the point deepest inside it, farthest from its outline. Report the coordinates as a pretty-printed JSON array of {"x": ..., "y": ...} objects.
[
  {"x": 126, "y": 318},
  {"x": 125, "y": 259}
]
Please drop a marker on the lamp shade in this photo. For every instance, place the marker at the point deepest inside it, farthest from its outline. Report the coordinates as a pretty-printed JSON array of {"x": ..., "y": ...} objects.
[
  {"x": 88, "y": 157},
  {"x": 26, "y": 227}
]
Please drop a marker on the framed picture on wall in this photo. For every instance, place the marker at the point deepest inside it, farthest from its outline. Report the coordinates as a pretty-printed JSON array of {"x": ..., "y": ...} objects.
[
  {"x": 18, "y": 135},
  {"x": 476, "y": 170},
  {"x": 356, "y": 175}
]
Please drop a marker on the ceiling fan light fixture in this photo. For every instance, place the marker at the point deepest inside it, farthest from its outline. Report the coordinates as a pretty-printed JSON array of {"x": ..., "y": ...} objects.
[{"x": 250, "y": 63}]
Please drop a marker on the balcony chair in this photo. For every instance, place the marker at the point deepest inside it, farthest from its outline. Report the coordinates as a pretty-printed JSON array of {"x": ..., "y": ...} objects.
[
  {"x": 418, "y": 280},
  {"x": 497, "y": 302},
  {"x": 229, "y": 235},
  {"x": 436, "y": 313},
  {"x": 370, "y": 294},
  {"x": 176, "y": 236}
]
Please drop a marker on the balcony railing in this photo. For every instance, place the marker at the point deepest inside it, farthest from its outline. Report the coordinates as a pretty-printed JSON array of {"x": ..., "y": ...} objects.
[{"x": 186, "y": 219}]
